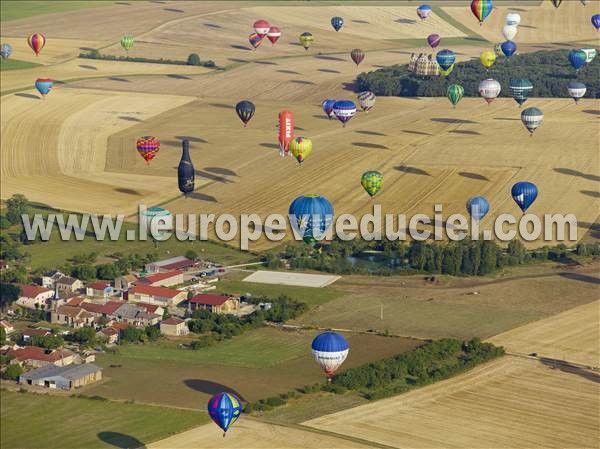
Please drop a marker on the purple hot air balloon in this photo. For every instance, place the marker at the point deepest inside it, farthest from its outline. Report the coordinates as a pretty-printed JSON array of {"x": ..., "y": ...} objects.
[{"x": 434, "y": 40}]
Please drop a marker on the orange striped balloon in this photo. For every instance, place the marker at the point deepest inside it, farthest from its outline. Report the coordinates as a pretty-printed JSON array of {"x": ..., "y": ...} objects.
[{"x": 36, "y": 41}]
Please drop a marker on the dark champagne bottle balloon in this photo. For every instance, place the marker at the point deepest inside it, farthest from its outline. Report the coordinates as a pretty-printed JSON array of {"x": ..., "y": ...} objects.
[{"x": 185, "y": 170}]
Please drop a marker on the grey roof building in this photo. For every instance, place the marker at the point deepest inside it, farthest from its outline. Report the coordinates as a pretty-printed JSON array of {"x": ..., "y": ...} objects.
[{"x": 63, "y": 377}]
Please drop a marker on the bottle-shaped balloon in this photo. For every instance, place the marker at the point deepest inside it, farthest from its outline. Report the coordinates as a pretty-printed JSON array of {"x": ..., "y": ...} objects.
[{"x": 185, "y": 170}]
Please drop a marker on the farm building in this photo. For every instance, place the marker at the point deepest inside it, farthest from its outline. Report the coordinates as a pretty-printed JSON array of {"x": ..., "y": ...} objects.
[
  {"x": 34, "y": 295},
  {"x": 135, "y": 315},
  {"x": 165, "y": 279},
  {"x": 174, "y": 326},
  {"x": 214, "y": 303},
  {"x": 174, "y": 263},
  {"x": 29, "y": 333},
  {"x": 50, "y": 277},
  {"x": 110, "y": 333},
  {"x": 72, "y": 316},
  {"x": 156, "y": 295},
  {"x": 62, "y": 377},
  {"x": 100, "y": 289},
  {"x": 34, "y": 356},
  {"x": 125, "y": 282},
  {"x": 68, "y": 284}
]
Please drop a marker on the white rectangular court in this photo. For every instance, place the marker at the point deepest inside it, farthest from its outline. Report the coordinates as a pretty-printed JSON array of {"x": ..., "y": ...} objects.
[{"x": 296, "y": 279}]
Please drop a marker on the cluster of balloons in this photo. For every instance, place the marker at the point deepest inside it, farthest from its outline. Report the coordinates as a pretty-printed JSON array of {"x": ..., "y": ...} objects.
[{"x": 263, "y": 29}]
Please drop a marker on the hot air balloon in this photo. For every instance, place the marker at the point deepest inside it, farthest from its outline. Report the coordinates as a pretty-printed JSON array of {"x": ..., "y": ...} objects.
[
  {"x": 357, "y": 55},
  {"x": 423, "y": 11},
  {"x": 366, "y": 100},
  {"x": 498, "y": 50},
  {"x": 590, "y": 54},
  {"x": 337, "y": 23},
  {"x": 489, "y": 89},
  {"x": 481, "y": 9},
  {"x": 372, "y": 181},
  {"x": 274, "y": 34},
  {"x": 455, "y": 93},
  {"x": 43, "y": 86},
  {"x": 434, "y": 40},
  {"x": 520, "y": 89},
  {"x": 445, "y": 58},
  {"x": 5, "y": 51},
  {"x": 344, "y": 110},
  {"x": 156, "y": 214},
  {"x": 524, "y": 193},
  {"x": 328, "y": 108},
  {"x": 255, "y": 40},
  {"x": 478, "y": 207},
  {"x": 556, "y": 3},
  {"x": 576, "y": 90},
  {"x": 261, "y": 27},
  {"x": 147, "y": 147},
  {"x": 509, "y": 32},
  {"x": 36, "y": 41},
  {"x": 577, "y": 58},
  {"x": 286, "y": 132},
  {"x": 508, "y": 48},
  {"x": 532, "y": 118},
  {"x": 311, "y": 216},
  {"x": 185, "y": 170},
  {"x": 330, "y": 349},
  {"x": 224, "y": 409},
  {"x": 127, "y": 42},
  {"x": 513, "y": 18},
  {"x": 245, "y": 110},
  {"x": 300, "y": 147},
  {"x": 596, "y": 21},
  {"x": 306, "y": 39},
  {"x": 487, "y": 58},
  {"x": 447, "y": 72}
]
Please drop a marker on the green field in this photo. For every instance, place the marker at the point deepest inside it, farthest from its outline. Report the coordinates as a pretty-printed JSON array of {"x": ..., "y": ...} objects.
[
  {"x": 32, "y": 421},
  {"x": 15, "y": 64},
  {"x": 20, "y": 9}
]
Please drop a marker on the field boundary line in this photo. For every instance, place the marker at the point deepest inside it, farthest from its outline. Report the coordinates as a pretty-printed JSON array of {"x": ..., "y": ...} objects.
[{"x": 564, "y": 363}]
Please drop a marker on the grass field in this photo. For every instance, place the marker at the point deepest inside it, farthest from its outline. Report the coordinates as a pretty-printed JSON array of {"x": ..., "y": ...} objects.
[
  {"x": 20, "y": 9},
  {"x": 510, "y": 402},
  {"x": 15, "y": 64},
  {"x": 72, "y": 423}
]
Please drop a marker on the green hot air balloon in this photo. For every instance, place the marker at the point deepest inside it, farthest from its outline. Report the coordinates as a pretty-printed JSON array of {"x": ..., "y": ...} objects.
[
  {"x": 455, "y": 93},
  {"x": 127, "y": 42},
  {"x": 372, "y": 181}
]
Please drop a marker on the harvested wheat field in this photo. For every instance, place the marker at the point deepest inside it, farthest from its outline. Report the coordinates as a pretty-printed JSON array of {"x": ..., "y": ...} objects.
[
  {"x": 55, "y": 52},
  {"x": 571, "y": 336},
  {"x": 509, "y": 403}
]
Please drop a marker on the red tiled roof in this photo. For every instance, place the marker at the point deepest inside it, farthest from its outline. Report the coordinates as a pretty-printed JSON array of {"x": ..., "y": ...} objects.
[
  {"x": 75, "y": 301},
  {"x": 31, "y": 291},
  {"x": 99, "y": 285},
  {"x": 5, "y": 324},
  {"x": 173, "y": 321},
  {"x": 150, "y": 308},
  {"x": 72, "y": 311},
  {"x": 35, "y": 353},
  {"x": 32, "y": 332},
  {"x": 210, "y": 300},
  {"x": 109, "y": 331},
  {"x": 154, "y": 291},
  {"x": 159, "y": 277},
  {"x": 92, "y": 307},
  {"x": 120, "y": 326},
  {"x": 178, "y": 265}
]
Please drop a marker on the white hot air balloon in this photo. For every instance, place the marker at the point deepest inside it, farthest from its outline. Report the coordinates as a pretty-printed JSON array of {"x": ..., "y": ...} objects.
[
  {"x": 513, "y": 18},
  {"x": 366, "y": 100},
  {"x": 509, "y": 32},
  {"x": 576, "y": 90},
  {"x": 489, "y": 89}
]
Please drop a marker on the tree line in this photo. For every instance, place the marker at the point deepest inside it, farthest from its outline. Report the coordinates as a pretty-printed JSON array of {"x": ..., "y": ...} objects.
[{"x": 193, "y": 59}]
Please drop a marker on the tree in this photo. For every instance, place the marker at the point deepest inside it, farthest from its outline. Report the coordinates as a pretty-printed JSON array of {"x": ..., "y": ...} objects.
[
  {"x": 2, "y": 335},
  {"x": 16, "y": 206},
  {"x": 9, "y": 293},
  {"x": 193, "y": 59},
  {"x": 153, "y": 333},
  {"x": 84, "y": 335},
  {"x": 13, "y": 372},
  {"x": 47, "y": 341},
  {"x": 85, "y": 272},
  {"x": 133, "y": 335},
  {"x": 191, "y": 254},
  {"x": 107, "y": 271}
]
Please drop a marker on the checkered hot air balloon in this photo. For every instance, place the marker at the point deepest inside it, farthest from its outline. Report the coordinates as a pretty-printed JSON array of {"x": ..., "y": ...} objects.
[
  {"x": 224, "y": 409},
  {"x": 372, "y": 181},
  {"x": 147, "y": 147},
  {"x": 36, "y": 41}
]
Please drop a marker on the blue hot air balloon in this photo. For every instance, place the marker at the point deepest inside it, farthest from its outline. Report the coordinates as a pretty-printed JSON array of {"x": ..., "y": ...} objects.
[
  {"x": 311, "y": 216},
  {"x": 423, "y": 11},
  {"x": 577, "y": 58},
  {"x": 5, "y": 50},
  {"x": 524, "y": 193},
  {"x": 224, "y": 409},
  {"x": 337, "y": 23},
  {"x": 344, "y": 110},
  {"x": 596, "y": 21},
  {"x": 508, "y": 48},
  {"x": 445, "y": 58},
  {"x": 330, "y": 349},
  {"x": 478, "y": 207},
  {"x": 43, "y": 85},
  {"x": 328, "y": 107}
]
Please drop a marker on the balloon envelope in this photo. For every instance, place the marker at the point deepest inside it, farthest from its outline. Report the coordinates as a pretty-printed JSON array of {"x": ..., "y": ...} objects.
[
  {"x": 513, "y": 18},
  {"x": 147, "y": 147},
  {"x": 524, "y": 193},
  {"x": 478, "y": 207},
  {"x": 532, "y": 118},
  {"x": 455, "y": 93},
  {"x": 330, "y": 349},
  {"x": 337, "y": 23},
  {"x": 487, "y": 58},
  {"x": 274, "y": 34},
  {"x": 328, "y": 107},
  {"x": 489, "y": 89},
  {"x": 127, "y": 42},
  {"x": 445, "y": 58},
  {"x": 481, "y": 9},
  {"x": 509, "y": 32},
  {"x": 357, "y": 55},
  {"x": 576, "y": 90},
  {"x": 185, "y": 170},
  {"x": 306, "y": 39},
  {"x": 596, "y": 21},
  {"x": 261, "y": 27},
  {"x": 344, "y": 110},
  {"x": 577, "y": 58},
  {"x": 508, "y": 48},
  {"x": 255, "y": 40},
  {"x": 556, "y": 3},
  {"x": 36, "y": 41},
  {"x": 311, "y": 216},
  {"x": 520, "y": 89},
  {"x": 286, "y": 131},
  {"x": 5, "y": 50},
  {"x": 43, "y": 85},
  {"x": 224, "y": 409},
  {"x": 301, "y": 147},
  {"x": 434, "y": 40},
  {"x": 372, "y": 181},
  {"x": 245, "y": 110},
  {"x": 366, "y": 100},
  {"x": 423, "y": 11}
]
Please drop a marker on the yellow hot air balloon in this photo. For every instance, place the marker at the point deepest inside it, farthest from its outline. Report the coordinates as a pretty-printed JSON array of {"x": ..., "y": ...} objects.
[
  {"x": 301, "y": 147},
  {"x": 487, "y": 58},
  {"x": 306, "y": 40}
]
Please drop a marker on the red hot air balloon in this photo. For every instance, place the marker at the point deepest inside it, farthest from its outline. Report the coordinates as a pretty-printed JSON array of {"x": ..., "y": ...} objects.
[
  {"x": 274, "y": 34},
  {"x": 36, "y": 41},
  {"x": 261, "y": 27},
  {"x": 148, "y": 147},
  {"x": 255, "y": 40},
  {"x": 357, "y": 55},
  {"x": 286, "y": 132}
]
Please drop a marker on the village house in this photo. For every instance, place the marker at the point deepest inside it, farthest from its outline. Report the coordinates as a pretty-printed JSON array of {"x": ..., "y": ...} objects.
[
  {"x": 99, "y": 289},
  {"x": 174, "y": 326},
  {"x": 62, "y": 377},
  {"x": 72, "y": 316},
  {"x": 34, "y": 296},
  {"x": 67, "y": 285},
  {"x": 34, "y": 356},
  {"x": 110, "y": 334},
  {"x": 165, "y": 279},
  {"x": 125, "y": 282},
  {"x": 49, "y": 278},
  {"x": 8, "y": 328},
  {"x": 27, "y": 334},
  {"x": 214, "y": 303},
  {"x": 135, "y": 315},
  {"x": 174, "y": 263},
  {"x": 156, "y": 295}
]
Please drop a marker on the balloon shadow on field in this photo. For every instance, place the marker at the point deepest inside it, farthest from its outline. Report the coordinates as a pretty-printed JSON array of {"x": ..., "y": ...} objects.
[
  {"x": 192, "y": 139},
  {"x": 221, "y": 171},
  {"x": 122, "y": 80},
  {"x": 581, "y": 277},
  {"x": 420, "y": 133},
  {"x": 240, "y": 47},
  {"x": 566, "y": 367},
  {"x": 270, "y": 145},
  {"x": 360, "y": 21},
  {"x": 370, "y": 133},
  {"x": 221, "y": 105},
  {"x": 210, "y": 387},
  {"x": 237, "y": 60},
  {"x": 528, "y": 26},
  {"x": 506, "y": 119},
  {"x": 23, "y": 95},
  {"x": 411, "y": 170},
  {"x": 202, "y": 197},
  {"x": 406, "y": 21},
  {"x": 121, "y": 440},
  {"x": 328, "y": 71},
  {"x": 88, "y": 67},
  {"x": 173, "y": 10},
  {"x": 454, "y": 120},
  {"x": 130, "y": 119},
  {"x": 127, "y": 191},
  {"x": 122, "y": 3},
  {"x": 470, "y": 175},
  {"x": 577, "y": 173},
  {"x": 265, "y": 62},
  {"x": 592, "y": 111},
  {"x": 87, "y": 48},
  {"x": 465, "y": 131},
  {"x": 593, "y": 229},
  {"x": 323, "y": 117},
  {"x": 290, "y": 72},
  {"x": 212, "y": 177},
  {"x": 329, "y": 58},
  {"x": 178, "y": 77},
  {"x": 375, "y": 146},
  {"x": 301, "y": 82},
  {"x": 212, "y": 25},
  {"x": 591, "y": 193}
]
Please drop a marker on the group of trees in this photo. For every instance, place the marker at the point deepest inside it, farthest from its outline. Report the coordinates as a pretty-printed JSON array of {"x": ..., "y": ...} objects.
[
  {"x": 12, "y": 239},
  {"x": 549, "y": 71},
  {"x": 193, "y": 59},
  {"x": 84, "y": 266}
]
